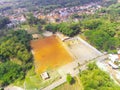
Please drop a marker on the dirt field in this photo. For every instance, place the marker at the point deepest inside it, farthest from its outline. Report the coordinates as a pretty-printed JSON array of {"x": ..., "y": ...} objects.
[{"x": 49, "y": 53}]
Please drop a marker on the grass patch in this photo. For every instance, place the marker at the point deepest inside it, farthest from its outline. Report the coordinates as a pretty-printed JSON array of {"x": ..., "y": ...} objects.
[
  {"x": 31, "y": 29},
  {"x": 15, "y": 60},
  {"x": 19, "y": 83},
  {"x": 34, "y": 81},
  {"x": 67, "y": 86}
]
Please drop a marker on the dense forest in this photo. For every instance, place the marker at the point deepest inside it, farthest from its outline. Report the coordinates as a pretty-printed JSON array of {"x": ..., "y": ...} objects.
[
  {"x": 104, "y": 31},
  {"x": 15, "y": 56}
]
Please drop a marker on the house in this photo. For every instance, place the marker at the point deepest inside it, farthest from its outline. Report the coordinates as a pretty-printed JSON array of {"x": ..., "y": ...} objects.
[
  {"x": 113, "y": 57},
  {"x": 118, "y": 52},
  {"x": 113, "y": 65},
  {"x": 45, "y": 76},
  {"x": 62, "y": 37}
]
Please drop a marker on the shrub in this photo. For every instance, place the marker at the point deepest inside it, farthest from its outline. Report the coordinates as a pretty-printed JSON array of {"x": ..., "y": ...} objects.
[{"x": 69, "y": 79}]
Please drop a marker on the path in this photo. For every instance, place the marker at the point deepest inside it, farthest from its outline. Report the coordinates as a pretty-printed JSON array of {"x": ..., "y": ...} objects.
[{"x": 79, "y": 82}]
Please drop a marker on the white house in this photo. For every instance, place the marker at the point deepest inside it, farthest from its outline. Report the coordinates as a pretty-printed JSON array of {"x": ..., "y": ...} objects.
[
  {"x": 45, "y": 75},
  {"x": 35, "y": 36},
  {"x": 118, "y": 51},
  {"x": 113, "y": 65},
  {"x": 113, "y": 57}
]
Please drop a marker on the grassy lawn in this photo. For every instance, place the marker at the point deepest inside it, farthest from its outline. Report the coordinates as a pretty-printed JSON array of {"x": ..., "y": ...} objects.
[
  {"x": 66, "y": 86},
  {"x": 34, "y": 81},
  {"x": 19, "y": 83},
  {"x": 17, "y": 61}
]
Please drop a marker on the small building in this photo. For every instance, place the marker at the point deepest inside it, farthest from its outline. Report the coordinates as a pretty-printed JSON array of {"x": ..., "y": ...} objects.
[
  {"x": 62, "y": 37},
  {"x": 45, "y": 76},
  {"x": 113, "y": 57},
  {"x": 113, "y": 65},
  {"x": 118, "y": 52},
  {"x": 35, "y": 36},
  {"x": 47, "y": 33}
]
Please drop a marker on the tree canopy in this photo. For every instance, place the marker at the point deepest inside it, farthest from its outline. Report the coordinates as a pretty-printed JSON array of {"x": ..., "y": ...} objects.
[
  {"x": 96, "y": 79},
  {"x": 65, "y": 28},
  {"x": 3, "y": 22},
  {"x": 15, "y": 45},
  {"x": 9, "y": 72},
  {"x": 102, "y": 34}
]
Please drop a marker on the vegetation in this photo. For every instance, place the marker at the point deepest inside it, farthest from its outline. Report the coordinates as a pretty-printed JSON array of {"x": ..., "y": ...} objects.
[
  {"x": 9, "y": 72},
  {"x": 95, "y": 79},
  {"x": 15, "y": 45},
  {"x": 34, "y": 21},
  {"x": 101, "y": 30},
  {"x": 98, "y": 30},
  {"x": 3, "y": 22},
  {"x": 102, "y": 34},
  {"x": 69, "y": 79},
  {"x": 66, "y": 86},
  {"x": 51, "y": 27},
  {"x": 3, "y": 25},
  {"x": 34, "y": 81},
  {"x": 113, "y": 11},
  {"x": 65, "y": 28}
]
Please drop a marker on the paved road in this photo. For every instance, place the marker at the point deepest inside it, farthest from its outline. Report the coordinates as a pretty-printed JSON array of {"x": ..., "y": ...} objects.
[{"x": 70, "y": 68}]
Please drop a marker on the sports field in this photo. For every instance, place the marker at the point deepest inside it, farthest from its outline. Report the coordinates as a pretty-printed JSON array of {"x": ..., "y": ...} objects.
[{"x": 49, "y": 53}]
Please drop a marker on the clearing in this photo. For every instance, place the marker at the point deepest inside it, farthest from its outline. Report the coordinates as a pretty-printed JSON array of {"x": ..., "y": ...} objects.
[{"x": 49, "y": 53}]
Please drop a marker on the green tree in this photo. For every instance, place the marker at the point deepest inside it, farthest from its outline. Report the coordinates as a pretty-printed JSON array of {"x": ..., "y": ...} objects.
[
  {"x": 69, "y": 79},
  {"x": 97, "y": 38},
  {"x": 9, "y": 72},
  {"x": 3, "y": 22},
  {"x": 95, "y": 79},
  {"x": 51, "y": 27},
  {"x": 92, "y": 24}
]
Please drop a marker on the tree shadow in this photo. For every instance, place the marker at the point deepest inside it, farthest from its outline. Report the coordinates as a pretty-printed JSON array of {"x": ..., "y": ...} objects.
[{"x": 73, "y": 81}]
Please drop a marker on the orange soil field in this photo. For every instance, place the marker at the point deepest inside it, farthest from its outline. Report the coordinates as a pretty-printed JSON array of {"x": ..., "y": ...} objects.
[{"x": 49, "y": 53}]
